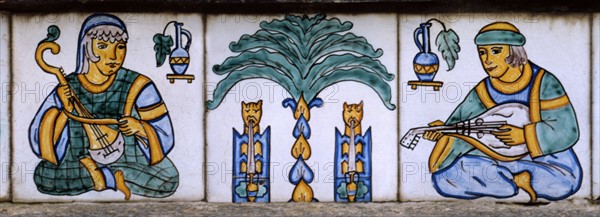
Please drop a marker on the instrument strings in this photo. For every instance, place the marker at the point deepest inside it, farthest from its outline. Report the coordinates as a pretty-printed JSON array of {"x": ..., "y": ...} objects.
[{"x": 100, "y": 136}]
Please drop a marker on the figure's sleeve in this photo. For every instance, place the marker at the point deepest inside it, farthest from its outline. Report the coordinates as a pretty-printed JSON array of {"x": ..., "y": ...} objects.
[
  {"x": 49, "y": 131},
  {"x": 157, "y": 124},
  {"x": 469, "y": 108},
  {"x": 556, "y": 128},
  {"x": 448, "y": 148}
]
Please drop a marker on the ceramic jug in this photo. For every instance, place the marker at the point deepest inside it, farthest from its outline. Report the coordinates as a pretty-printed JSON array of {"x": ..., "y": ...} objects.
[
  {"x": 180, "y": 56},
  {"x": 425, "y": 62}
]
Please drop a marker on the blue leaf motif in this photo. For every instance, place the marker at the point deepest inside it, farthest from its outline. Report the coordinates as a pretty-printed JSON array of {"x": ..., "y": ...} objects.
[
  {"x": 302, "y": 127},
  {"x": 289, "y": 102},
  {"x": 317, "y": 102},
  {"x": 301, "y": 171}
]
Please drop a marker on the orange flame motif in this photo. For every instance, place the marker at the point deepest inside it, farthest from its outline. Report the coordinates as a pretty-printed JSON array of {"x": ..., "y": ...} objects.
[
  {"x": 302, "y": 192},
  {"x": 302, "y": 109},
  {"x": 301, "y": 148}
]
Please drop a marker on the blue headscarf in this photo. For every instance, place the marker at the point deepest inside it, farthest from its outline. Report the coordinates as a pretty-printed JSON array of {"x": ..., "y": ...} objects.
[{"x": 89, "y": 23}]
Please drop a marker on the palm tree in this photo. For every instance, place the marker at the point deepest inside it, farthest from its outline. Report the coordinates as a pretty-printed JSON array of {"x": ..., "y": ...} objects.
[{"x": 304, "y": 55}]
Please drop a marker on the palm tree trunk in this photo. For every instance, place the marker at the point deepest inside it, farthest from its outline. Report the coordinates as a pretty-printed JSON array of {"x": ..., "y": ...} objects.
[{"x": 301, "y": 151}]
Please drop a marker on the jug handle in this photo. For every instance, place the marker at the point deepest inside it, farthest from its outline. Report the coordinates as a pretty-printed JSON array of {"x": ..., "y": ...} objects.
[
  {"x": 418, "y": 32},
  {"x": 188, "y": 35}
]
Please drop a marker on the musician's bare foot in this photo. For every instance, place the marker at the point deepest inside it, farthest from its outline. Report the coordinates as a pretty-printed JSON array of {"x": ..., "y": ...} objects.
[
  {"x": 523, "y": 181},
  {"x": 121, "y": 186}
]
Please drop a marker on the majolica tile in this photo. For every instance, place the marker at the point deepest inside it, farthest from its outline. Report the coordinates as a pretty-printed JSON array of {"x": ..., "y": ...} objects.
[
  {"x": 510, "y": 129},
  {"x": 279, "y": 83},
  {"x": 108, "y": 107},
  {"x": 4, "y": 96}
]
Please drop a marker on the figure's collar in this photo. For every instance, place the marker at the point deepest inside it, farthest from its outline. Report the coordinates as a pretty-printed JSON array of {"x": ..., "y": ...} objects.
[
  {"x": 512, "y": 87},
  {"x": 96, "y": 88}
]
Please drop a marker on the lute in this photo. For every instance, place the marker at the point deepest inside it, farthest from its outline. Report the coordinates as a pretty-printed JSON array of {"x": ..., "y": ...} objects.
[{"x": 480, "y": 128}]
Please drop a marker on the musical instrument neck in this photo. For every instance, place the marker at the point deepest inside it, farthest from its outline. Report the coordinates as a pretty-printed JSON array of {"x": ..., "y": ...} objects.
[
  {"x": 55, "y": 49},
  {"x": 461, "y": 127},
  {"x": 477, "y": 126},
  {"x": 480, "y": 128}
]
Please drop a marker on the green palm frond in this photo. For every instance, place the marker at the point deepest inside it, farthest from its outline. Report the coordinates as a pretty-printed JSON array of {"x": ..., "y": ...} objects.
[
  {"x": 294, "y": 33},
  {"x": 266, "y": 40},
  {"x": 259, "y": 58},
  {"x": 247, "y": 73},
  {"x": 327, "y": 28},
  {"x": 304, "y": 55},
  {"x": 334, "y": 62},
  {"x": 358, "y": 75},
  {"x": 346, "y": 43}
]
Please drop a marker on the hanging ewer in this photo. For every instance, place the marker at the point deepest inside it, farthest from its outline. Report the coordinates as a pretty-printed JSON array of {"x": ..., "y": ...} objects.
[
  {"x": 352, "y": 182},
  {"x": 251, "y": 157},
  {"x": 426, "y": 63},
  {"x": 179, "y": 57}
]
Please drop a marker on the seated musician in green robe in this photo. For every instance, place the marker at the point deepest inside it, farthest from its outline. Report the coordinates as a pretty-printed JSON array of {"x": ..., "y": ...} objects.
[
  {"x": 106, "y": 90},
  {"x": 462, "y": 167}
]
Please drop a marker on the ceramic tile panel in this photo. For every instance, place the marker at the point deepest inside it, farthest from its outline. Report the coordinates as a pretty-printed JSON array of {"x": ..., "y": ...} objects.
[
  {"x": 136, "y": 121},
  {"x": 596, "y": 107},
  {"x": 280, "y": 82},
  {"x": 516, "y": 136},
  {"x": 4, "y": 113}
]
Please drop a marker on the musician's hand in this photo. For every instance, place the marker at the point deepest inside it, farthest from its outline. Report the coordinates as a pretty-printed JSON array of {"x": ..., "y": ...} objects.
[
  {"x": 65, "y": 95},
  {"x": 436, "y": 123},
  {"x": 131, "y": 126},
  {"x": 433, "y": 135},
  {"x": 510, "y": 135}
]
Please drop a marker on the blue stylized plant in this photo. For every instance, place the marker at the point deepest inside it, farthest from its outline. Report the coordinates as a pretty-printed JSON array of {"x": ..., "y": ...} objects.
[{"x": 304, "y": 55}]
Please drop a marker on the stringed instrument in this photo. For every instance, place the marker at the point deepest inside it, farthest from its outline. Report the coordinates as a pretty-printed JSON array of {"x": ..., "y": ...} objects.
[
  {"x": 106, "y": 144},
  {"x": 480, "y": 128}
]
